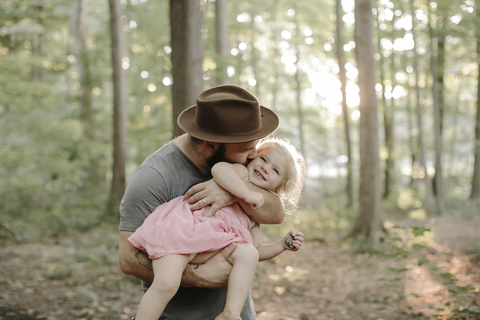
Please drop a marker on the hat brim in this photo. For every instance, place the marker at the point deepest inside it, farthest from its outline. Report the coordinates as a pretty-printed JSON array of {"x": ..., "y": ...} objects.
[{"x": 186, "y": 121}]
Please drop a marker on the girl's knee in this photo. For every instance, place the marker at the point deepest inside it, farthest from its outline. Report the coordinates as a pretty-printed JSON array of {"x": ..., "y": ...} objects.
[
  {"x": 246, "y": 252},
  {"x": 165, "y": 285}
]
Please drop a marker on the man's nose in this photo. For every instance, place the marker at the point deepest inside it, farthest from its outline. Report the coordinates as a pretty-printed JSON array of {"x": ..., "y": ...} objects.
[{"x": 253, "y": 154}]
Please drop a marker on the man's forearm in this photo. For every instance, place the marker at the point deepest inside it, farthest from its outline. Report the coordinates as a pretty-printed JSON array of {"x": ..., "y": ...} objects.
[
  {"x": 272, "y": 212},
  {"x": 213, "y": 274},
  {"x": 134, "y": 262}
]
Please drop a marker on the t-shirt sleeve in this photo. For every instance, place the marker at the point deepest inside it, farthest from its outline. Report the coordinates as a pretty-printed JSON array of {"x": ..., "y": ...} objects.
[{"x": 144, "y": 193}]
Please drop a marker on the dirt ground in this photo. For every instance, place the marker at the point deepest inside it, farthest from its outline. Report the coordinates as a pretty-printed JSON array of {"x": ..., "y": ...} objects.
[{"x": 78, "y": 278}]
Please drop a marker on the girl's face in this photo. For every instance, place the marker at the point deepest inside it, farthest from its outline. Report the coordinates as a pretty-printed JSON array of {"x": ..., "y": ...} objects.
[{"x": 268, "y": 169}]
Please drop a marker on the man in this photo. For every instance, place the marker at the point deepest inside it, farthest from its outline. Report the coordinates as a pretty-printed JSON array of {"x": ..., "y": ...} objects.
[{"x": 224, "y": 125}]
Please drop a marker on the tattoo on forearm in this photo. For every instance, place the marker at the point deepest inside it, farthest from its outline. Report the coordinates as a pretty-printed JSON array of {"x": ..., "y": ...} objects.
[{"x": 143, "y": 260}]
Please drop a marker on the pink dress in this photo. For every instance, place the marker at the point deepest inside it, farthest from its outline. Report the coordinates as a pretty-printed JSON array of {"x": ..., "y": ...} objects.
[{"x": 174, "y": 229}]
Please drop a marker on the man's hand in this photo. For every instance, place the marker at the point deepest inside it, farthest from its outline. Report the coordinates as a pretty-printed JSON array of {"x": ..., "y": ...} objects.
[
  {"x": 208, "y": 193},
  {"x": 212, "y": 274}
]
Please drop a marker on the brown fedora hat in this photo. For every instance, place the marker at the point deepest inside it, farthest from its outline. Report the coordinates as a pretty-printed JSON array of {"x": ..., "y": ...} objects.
[{"x": 228, "y": 114}]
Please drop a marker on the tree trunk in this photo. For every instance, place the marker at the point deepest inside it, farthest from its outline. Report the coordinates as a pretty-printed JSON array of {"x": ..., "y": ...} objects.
[
  {"x": 387, "y": 123},
  {"x": 38, "y": 40},
  {"x": 369, "y": 221},
  {"x": 429, "y": 203},
  {"x": 221, "y": 40},
  {"x": 298, "y": 98},
  {"x": 388, "y": 120},
  {"x": 80, "y": 49},
  {"x": 442, "y": 30},
  {"x": 410, "y": 101},
  {"x": 119, "y": 111},
  {"x": 187, "y": 56},
  {"x": 439, "y": 194},
  {"x": 254, "y": 57},
  {"x": 276, "y": 61},
  {"x": 475, "y": 193},
  {"x": 343, "y": 81},
  {"x": 452, "y": 172}
]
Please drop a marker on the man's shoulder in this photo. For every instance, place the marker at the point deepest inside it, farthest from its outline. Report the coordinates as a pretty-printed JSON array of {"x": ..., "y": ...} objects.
[{"x": 164, "y": 159}]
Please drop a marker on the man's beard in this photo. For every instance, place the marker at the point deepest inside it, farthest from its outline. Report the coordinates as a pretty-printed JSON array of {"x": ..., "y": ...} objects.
[{"x": 220, "y": 156}]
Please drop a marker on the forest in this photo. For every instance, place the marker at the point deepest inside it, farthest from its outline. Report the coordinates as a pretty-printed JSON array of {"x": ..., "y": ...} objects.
[{"x": 382, "y": 97}]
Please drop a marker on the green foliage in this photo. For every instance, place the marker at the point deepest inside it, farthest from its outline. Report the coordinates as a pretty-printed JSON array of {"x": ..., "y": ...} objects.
[
  {"x": 46, "y": 159},
  {"x": 43, "y": 155}
]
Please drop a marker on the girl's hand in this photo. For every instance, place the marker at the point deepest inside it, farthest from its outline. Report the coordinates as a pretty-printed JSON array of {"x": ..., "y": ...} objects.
[
  {"x": 293, "y": 241},
  {"x": 255, "y": 199}
]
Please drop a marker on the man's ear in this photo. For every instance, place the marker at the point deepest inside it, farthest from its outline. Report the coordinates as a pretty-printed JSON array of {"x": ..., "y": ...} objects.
[{"x": 211, "y": 146}]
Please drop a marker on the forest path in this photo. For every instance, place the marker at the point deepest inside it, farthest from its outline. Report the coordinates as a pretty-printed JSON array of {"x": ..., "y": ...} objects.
[{"x": 79, "y": 278}]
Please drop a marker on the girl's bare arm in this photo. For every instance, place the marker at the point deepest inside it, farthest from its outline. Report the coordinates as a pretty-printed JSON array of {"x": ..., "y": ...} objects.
[
  {"x": 271, "y": 250},
  {"x": 231, "y": 178}
]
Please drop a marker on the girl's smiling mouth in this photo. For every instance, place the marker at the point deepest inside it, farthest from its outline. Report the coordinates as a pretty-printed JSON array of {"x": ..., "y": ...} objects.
[{"x": 260, "y": 175}]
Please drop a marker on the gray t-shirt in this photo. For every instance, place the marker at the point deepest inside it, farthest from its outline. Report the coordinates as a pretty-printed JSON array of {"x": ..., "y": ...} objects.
[{"x": 164, "y": 175}]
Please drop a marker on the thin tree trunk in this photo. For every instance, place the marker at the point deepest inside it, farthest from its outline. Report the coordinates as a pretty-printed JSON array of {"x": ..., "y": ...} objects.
[
  {"x": 439, "y": 194},
  {"x": 389, "y": 117},
  {"x": 429, "y": 203},
  {"x": 221, "y": 40},
  {"x": 343, "y": 80},
  {"x": 386, "y": 118},
  {"x": 187, "y": 56},
  {"x": 275, "y": 85},
  {"x": 369, "y": 220},
  {"x": 119, "y": 111},
  {"x": 410, "y": 101},
  {"x": 276, "y": 61},
  {"x": 452, "y": 171},
  {"x": 254, "y": 58},
  {"x": 442, "y": 30},
  {"x": 38, "y": 39},
  {"x": 298, "y": 98},
  {"x": 80, "y": 50},
  {"x": 298, "y": 84},
  {"x": 475, "y": 193}
]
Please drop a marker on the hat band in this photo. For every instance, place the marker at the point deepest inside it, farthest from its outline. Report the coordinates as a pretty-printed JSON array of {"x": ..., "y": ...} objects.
[{"x": 229, "y": 133}]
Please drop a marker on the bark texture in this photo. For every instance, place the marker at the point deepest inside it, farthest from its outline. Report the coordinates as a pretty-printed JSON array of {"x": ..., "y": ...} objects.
[
  {"x": 369, "y": 221},
  {"x": 475, "y": 193},
  {"x": 429, "y": 205},
  {"x": 343, "y": 80},
  {"x": 221, "y": 40},
  {"x": 119, "y": 111},
  {"x": 187, "y": 56}
]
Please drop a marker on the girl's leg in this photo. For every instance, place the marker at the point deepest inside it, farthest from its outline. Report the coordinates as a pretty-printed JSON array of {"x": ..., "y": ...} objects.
[
  {"x": 201, "y": 258},
  {"x": 244, "y": 260},
  {"x": 168, "y": 272}
]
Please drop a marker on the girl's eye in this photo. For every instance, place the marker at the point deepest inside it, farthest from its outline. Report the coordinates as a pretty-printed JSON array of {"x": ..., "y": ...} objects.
[
  {"x": 263, "y": 159},
  {"x": 275, "y": 170}
]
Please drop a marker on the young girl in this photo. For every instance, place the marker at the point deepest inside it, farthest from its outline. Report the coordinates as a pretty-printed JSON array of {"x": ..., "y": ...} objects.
[{"x": 172, "y": 240}]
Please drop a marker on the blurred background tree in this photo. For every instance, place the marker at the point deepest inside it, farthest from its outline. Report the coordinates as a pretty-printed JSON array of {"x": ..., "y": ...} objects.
[{"x": 57, "y": 98}]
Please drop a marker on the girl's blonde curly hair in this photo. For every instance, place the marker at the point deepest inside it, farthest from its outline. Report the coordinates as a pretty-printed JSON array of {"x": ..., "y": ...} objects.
[{"x": 290, "y": 190}]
